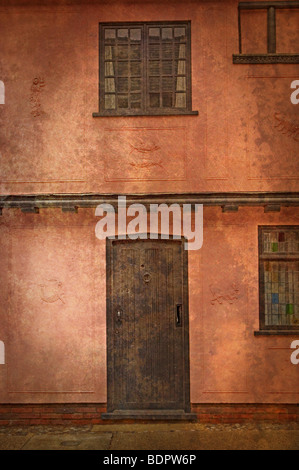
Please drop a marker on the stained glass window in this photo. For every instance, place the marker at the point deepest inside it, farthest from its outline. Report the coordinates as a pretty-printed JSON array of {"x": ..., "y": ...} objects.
[{"x": 279, "y": 277}]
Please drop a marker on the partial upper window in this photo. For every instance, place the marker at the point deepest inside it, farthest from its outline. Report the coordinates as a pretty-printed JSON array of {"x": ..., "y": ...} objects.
[
  {"x": 268, "y": 33},
  {"x": 145, "y": 69},
  {"x": 279, "y": 277}
]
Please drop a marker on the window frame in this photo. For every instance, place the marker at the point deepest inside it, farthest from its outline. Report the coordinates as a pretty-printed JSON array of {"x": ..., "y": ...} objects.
[
  {"x": 271, "y": 57},
  {"x": 145, "y": 110},
  {"x": 272, "y": 257}
]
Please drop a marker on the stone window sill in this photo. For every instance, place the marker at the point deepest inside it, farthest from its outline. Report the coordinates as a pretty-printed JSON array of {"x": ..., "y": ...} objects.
[
  {"x": 150, "y": 114},
  {"x": 276, "y": 332},
  {"x": 266, "y": 58}
]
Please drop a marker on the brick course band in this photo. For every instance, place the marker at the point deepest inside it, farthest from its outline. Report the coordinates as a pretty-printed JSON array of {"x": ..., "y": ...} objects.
[{"x": 88, "y": 414}]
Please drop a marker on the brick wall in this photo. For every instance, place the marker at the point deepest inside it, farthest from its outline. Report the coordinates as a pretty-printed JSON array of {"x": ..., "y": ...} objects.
[
  {"x": 238, "y": 413},
  {"x": 86, "y": 414},
  {"x": 51, "y": 414}
]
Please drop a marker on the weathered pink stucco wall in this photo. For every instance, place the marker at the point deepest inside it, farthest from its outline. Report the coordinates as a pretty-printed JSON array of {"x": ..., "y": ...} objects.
[
  {"x": 53, "y": 268},
  {"x": 53, "y": 311},
  {"x": 51, "y": 143}
]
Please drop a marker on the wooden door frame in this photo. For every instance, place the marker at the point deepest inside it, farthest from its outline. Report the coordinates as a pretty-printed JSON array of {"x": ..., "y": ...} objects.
[{"x": 109, "y": 321}]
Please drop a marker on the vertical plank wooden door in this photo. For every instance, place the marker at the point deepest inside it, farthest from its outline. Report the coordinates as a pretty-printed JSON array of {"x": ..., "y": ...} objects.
[{"x": 147, "y": 328}]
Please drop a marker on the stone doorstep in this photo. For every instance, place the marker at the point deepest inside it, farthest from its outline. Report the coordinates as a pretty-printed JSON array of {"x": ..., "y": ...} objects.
[{"x": 168, "y": 415}]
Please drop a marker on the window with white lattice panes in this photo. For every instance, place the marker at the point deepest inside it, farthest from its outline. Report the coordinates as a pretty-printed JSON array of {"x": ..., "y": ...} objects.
[{"x": 145, "y": 68}]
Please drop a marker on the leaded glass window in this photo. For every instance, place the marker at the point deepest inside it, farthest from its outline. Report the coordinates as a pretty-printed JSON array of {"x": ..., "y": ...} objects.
[
  {"x": 145, "y": 68},
  {"x": 279, "y": 277}
]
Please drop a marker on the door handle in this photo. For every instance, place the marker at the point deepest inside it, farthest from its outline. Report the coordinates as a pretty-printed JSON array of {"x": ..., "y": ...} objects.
[
  {"x": 119, "y": 316},
  {"x": 179, "y": 315}
]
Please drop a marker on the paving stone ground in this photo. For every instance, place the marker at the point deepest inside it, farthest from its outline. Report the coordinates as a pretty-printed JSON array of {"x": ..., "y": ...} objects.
[{"x": 155, "y": 436}]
